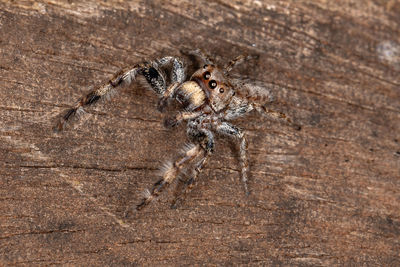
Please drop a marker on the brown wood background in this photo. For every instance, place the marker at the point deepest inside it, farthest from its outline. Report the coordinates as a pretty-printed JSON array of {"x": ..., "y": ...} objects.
[{"x": 326, "y": 195}]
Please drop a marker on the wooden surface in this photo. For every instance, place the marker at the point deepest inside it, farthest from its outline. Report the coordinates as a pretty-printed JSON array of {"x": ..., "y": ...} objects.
[{"x": 326, "y": 195}]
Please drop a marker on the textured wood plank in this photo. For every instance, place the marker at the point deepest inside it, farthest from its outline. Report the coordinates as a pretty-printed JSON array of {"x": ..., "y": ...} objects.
[{"x": 326, "y": 195}]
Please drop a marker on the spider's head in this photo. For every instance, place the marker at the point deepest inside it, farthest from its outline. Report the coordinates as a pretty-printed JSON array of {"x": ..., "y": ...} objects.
[{"x": 218, "y": 90}]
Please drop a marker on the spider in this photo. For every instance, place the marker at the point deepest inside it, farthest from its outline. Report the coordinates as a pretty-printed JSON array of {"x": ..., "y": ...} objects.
[{"x": 209, "y": 100}]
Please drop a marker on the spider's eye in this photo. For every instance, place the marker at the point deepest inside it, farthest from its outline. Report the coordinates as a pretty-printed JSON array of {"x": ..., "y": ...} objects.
[
  {"x": 221, "y": 90},
  {"x": 206, "y": 75},
  {"x": 212, "y": 84},
  {"x": 205, "y": 66}
]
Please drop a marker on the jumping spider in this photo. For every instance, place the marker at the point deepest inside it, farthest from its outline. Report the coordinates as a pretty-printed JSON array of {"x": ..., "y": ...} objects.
[{"x": 209, "y": 99}]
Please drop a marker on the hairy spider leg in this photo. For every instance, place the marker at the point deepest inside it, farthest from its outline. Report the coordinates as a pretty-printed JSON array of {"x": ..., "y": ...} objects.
[
  {"x": 170, "y": 122},
  {"x": 228, "y": 129},
  {"x": 178, "y": 76},
  {"x": 178, "y": 69},
  {"x": 155, "y": 76},
  {"x": 236, "y": 108},
  {"x": 238, "y": 60},
  {"x": 251, "y": 97},
  {"x": 150, "y": 70},
  {"x": 277, "y": 115},
  {"x": 201, "y": 54},
  {"x": 122, "y": 77},
  {"x": 171, "y": 171},
  {"x": 184, "y": 187},
  {"x": 162, "y": 102}
]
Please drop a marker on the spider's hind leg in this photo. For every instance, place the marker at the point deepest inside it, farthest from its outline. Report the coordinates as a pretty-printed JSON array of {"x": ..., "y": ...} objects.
[
  {"x": 206, "y": 138},
  {"x": 170, "y": 172},
  {"x": 153, "y": 73},
  {"x": 104, "y": 91},
  {"x": 184, "y": 187}
]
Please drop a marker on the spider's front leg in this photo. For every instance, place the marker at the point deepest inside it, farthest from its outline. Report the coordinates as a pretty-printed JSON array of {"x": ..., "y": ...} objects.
[
  {"x": 207, "y": 59},
  {"x": 228, "y": 129},
  {"x": 178, "y": 76},
  {"x": 276, "y": 115},
  {"x": 238, "y": 60},
  {"x": 171, "y": 171}
]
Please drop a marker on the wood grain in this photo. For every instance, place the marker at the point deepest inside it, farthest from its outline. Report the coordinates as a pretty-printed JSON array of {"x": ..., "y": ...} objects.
[{"x": 326, "y": 195}]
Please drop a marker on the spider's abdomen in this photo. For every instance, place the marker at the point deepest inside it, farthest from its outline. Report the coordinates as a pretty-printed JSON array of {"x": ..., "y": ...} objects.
[{"x": 191, "y": 95}]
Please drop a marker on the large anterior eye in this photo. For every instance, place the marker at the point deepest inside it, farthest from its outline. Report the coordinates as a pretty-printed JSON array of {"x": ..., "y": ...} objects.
[
  {"x": 206, "y": 75},
  {"x": 212, "y": 84}
]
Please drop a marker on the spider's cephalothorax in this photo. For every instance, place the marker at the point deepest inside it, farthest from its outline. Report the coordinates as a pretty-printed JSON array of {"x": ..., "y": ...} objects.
[{"x": 209, "y": 99}]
